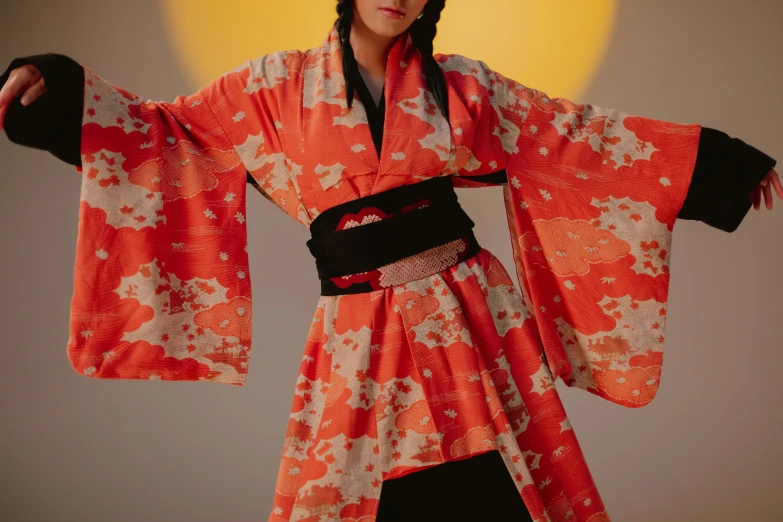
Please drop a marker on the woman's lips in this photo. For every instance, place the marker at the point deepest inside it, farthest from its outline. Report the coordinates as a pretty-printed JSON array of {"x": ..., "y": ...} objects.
[{"x": 392, "y": 12}]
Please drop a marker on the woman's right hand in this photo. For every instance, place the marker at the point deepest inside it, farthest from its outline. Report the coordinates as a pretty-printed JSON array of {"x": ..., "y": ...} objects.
[{"x": 26, "y": 81}]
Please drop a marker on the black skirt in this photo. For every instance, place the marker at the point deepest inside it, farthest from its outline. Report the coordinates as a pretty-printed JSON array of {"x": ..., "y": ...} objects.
[{"x": 478, "y": 489}]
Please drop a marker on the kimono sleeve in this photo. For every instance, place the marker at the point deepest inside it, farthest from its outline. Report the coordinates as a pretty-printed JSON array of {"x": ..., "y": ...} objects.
[
  {"x": 259, "y": 107},
  {"x": 591, "y": 199},
  {"x": 161, "y": 282}
]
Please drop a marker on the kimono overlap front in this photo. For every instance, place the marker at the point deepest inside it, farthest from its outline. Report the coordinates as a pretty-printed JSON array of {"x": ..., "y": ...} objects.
[{"x": 439, "y": 368}]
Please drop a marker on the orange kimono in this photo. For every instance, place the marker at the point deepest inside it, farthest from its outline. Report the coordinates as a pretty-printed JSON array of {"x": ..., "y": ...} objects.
[{"x": 440, "y": 358}]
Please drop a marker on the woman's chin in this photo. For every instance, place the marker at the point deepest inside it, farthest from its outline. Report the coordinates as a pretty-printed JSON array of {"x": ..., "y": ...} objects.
[{"x": 388, "y": 28}]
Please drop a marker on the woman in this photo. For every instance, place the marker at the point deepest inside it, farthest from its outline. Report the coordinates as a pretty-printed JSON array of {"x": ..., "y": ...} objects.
[{"x": 426, "y": 388}]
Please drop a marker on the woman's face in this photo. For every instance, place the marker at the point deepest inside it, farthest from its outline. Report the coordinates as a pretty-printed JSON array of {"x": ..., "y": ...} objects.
[{"x": 388, "y": 18}]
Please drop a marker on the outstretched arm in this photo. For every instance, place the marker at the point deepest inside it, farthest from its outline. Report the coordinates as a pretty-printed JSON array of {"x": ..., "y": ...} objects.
[
  {"x": 726, "y": 169},
  {"x": 41, "y": 107}
]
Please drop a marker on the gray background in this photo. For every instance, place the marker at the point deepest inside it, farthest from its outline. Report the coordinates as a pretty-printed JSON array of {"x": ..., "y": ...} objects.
[{"x": 708, "y": 448}]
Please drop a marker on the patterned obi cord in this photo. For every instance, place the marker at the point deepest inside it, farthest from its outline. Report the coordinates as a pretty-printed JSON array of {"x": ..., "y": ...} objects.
[{"x": 391, "y": 238}]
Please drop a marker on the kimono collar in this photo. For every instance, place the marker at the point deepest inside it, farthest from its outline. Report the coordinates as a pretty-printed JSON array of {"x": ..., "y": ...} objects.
[
  {"x": 409, "y": 106},
  {"x": 402, "y": 53}
]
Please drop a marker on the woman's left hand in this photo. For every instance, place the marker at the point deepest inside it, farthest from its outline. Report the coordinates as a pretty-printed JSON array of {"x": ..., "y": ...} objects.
[{"x": 770, "y": 180}]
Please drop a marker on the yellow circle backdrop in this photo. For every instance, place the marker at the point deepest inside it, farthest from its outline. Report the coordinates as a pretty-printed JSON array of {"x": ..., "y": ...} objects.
[{"x": 553, "y": 45}]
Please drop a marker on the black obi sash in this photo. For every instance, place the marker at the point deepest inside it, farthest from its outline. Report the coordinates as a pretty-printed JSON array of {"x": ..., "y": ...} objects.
[{"x": 391, "y": 238}]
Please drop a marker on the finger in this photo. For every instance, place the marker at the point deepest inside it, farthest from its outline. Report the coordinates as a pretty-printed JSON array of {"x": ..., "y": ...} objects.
[
  {"x": 756, "y": 197},
  {"x": 7, "y": 94},
  {"x": 768, "y": 195},
  {"x": 777, "y": 184},
  {"x": 33, "y": 93},
  {"x": 18, "y": 80},
  {"x": 9, "y": 88}
]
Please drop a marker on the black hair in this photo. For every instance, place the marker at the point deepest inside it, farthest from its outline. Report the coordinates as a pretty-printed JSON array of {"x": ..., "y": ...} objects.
[{"x": 422, "y": 32}]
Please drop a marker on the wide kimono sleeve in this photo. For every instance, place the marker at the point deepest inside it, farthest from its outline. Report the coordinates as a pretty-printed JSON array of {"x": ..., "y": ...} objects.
[
  {"x": 592, "y": 195},
  {"x": 161, "y": 280}
]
